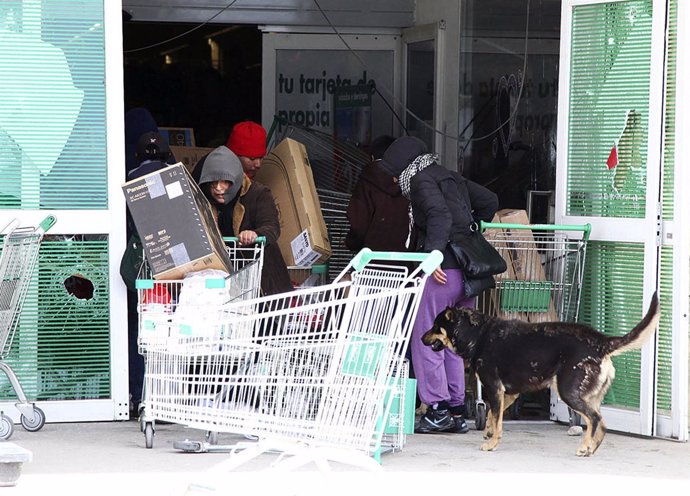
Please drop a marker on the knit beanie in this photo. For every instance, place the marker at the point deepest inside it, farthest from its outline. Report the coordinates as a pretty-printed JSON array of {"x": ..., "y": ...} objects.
[
  {"x": 248, "y": 139},
  {"x": 223, "y": 165}
]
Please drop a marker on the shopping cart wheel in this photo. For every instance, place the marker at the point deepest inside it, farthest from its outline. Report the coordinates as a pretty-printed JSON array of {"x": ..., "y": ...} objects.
[
  {"x": 189, "y": 446},
  {"x": 148, "y": 434},
  {"x": 36, "y": 423},
  {"x": 212, "y": 437},
  {"x": 6, "y": 427},
  {"x": 480, "y": 417}
]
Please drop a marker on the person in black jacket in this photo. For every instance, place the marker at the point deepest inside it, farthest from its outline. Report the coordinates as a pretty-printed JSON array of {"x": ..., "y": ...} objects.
[
  {"x": 151, "y": 154},
  {"x": 443, "y": 203}
]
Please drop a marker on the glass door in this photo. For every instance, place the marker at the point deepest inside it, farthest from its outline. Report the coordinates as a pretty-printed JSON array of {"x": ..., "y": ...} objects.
[{"x": 609, "y": 175}]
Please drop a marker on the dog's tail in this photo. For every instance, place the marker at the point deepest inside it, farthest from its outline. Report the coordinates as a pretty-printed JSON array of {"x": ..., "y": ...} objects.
[{"x": 640, "y": 333}]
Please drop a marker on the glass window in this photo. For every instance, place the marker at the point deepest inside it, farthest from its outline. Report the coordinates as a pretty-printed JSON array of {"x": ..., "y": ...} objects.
[
  {"x": 52, "y": 105},
  {"x": 508, "y": 100}
]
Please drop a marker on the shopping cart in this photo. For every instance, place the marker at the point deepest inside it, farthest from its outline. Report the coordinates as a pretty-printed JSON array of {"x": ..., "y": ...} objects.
[
  {"x": 308, "y": 372},
  {"x": 191, "y": 308},
  {"x": 17, "y": 264},
  {"x": 542, "y": 282}
]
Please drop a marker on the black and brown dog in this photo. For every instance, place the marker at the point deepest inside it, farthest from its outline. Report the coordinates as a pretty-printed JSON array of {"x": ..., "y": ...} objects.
[{"x": 512, "y": 357}]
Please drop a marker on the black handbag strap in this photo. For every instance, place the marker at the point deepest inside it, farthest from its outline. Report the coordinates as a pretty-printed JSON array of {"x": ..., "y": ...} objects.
[{"x": 474, "y": 227}]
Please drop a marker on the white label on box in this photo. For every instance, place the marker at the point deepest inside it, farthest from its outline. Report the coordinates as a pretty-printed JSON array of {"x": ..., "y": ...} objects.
[
  {"x": 174, "y": 189},
  {"x": 155, "y": 187},
  {"x": 179, "y": 254},
  {"x": 302, "y": 251}
]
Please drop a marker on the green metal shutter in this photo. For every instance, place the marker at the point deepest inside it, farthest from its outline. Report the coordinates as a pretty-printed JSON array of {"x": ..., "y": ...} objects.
[
  {"x": 609, "y": 98},
  {"x": 61, "y": 349},
  {"x": 52, "y": 105},
  {"x": 612, "y": 280},
  {"x": 665, "y": 334},
  {"x": 607, "y": 157},
  {"x": 53, "y": 156}
]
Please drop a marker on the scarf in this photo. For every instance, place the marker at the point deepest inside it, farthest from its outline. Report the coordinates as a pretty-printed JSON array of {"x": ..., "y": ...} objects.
[{"x": 418, "y": 164}]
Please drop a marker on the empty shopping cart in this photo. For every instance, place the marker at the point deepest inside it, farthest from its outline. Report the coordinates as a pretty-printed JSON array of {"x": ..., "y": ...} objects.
[
  {"x": 17, "y": 264},
  {"x": 308, "y": 373}
]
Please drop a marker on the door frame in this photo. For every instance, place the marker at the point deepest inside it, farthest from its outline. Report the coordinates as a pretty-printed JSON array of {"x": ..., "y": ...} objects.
[
  {"x": 436, "y": 33},
  {"x": 644, "y": 230}
]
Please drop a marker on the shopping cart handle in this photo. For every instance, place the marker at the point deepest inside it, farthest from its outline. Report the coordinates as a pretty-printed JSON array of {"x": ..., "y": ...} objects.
[
  {"x": 235, "y": 239},
  {"x": 586, "y": 229},
  {"x": 428, "y": 261},
  {"x": 47, "y": 223}
]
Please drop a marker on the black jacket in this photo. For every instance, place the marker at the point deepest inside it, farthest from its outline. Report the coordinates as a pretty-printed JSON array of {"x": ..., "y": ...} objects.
[{"x": 444, "y": 204}]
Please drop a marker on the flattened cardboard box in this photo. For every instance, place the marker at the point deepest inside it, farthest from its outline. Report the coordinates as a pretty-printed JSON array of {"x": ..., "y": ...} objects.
[
  {"x": 175, "y": 223},
  {"x": 303, "y": 234}
]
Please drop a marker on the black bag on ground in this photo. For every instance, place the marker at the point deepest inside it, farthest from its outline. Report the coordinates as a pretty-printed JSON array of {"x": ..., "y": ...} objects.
[{"x": 476, "y": 256}]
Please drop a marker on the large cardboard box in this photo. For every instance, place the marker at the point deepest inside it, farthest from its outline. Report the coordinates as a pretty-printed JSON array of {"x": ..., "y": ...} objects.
[
  {"x": 529, "y": 288},
  {"x": 189, "y": 155},
  {"x": 175, "y": 223},
  {"x": 303, "y": 234},
  {"x": 491, "y": 300}
]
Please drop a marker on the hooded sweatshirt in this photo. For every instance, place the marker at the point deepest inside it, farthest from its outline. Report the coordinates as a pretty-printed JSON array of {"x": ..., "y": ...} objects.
[
  {"x": 222, "y": 165},
  {"x": 400, "y": 154},
  {"x": 247, "y": 205},
  {"x": 377, "y": 212}
]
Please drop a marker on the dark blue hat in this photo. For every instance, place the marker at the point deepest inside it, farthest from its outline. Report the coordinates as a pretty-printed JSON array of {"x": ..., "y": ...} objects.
[{"x": 400, "y": 154}]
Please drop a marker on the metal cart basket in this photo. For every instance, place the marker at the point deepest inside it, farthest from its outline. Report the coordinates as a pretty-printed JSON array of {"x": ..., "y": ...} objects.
[
  {"x": 542, "y": 282},
  {"x": 308, "y": 373},
  {"x": 191, "y": 309},
  {"x": 17, "y": 264}
]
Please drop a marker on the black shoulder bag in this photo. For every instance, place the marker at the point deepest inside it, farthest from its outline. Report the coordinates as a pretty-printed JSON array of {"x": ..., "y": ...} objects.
[{"x": 477, "y": 258}]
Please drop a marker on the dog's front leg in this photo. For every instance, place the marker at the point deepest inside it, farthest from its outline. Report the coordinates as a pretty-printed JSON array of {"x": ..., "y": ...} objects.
[
  {"x": 494, "y": 424},
  {"x": 488, "y": 428}
]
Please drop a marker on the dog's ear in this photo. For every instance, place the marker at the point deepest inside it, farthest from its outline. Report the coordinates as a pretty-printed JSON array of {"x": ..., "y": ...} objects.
[{"x": 448, "y": 314}]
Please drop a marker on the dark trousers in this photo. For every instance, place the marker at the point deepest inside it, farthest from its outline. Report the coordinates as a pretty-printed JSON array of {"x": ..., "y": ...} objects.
[{"x": 136, "y": 361}]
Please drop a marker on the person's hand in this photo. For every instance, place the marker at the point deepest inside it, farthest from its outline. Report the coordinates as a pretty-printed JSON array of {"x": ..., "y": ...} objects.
[
  {"x": 440, "y": 276},
  {"x": 247, "y": 237}
]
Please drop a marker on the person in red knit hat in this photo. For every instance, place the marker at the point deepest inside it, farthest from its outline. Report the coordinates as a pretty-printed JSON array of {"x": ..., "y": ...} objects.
[{"x": 248, "y": 141}]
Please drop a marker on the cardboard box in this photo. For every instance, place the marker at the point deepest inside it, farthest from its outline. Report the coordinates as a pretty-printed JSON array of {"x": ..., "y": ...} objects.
[
  {"x": 527, "y": 285},
  {"x": 189, "y": 155},
  {"x": 491, "y": 300},
  {"x": 303, "y": 234},
  {"x": 178, "y": 136},
  {"x": 175, "y": 223}
]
